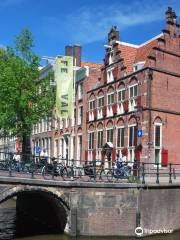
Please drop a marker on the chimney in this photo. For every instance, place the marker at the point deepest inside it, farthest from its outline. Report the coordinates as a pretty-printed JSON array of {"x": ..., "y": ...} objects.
[
  {"x": 68, "y": 50},
  {"x": 77, "y": 55}
]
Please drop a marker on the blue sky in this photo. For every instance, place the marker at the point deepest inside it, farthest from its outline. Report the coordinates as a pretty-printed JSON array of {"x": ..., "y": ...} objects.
[{"x": 57, "y": 23}]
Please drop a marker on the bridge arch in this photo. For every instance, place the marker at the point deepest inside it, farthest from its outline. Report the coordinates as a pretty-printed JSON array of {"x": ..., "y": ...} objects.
[{"x": 45, "y": 207}]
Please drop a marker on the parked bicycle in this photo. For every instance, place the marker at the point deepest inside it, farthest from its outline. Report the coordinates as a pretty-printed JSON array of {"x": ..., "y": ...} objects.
[
  {"x": 55, "y": 169},
  {"x": 93, "y": 171},
  {"x": 119, "y": 172}
]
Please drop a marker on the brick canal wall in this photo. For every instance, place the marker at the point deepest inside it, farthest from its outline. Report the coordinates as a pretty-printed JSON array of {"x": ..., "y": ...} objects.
[
  {"x": 101, "y": 209},
  {"x": 119, "y": 211},
  {"x": 105, "y": 211}
]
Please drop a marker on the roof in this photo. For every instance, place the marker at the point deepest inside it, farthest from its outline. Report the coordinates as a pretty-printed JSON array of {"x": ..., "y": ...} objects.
[
  {"x": 144, "y": 51},
  {"x": 91, "y": 64},
  {"x": 128, "y": 53},
  {"x": 136, "y": 53}
]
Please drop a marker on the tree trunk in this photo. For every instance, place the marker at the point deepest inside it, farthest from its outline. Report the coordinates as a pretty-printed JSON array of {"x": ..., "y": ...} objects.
[{"x": 26, "y": 148}]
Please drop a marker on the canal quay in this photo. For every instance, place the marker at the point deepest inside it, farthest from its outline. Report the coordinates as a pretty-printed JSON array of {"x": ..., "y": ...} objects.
[
  {"x": 90, "y": 150},
  {"x": 37, "y": 206}
]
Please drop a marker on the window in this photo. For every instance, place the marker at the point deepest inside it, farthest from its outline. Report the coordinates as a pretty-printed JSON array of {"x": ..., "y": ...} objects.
[
  {"x": 100, "y": 102},
  {"x": 91, "y": 105},
  {"x": 64, "y": 70},
  {"x": 80, "y": 147},
  {"x": 133, "y": 91},
  {"x": 110, "y": 98},
  {"x": 120, "y": 137},
  {"x": 110, "y": 77},
  {"x": 80, "y": 119},
  {"x": 100, "y": 139},
  {"x": 132, "y": 136},
  {"x": 137, "y": 66},
  {"x": 91, "y": 140},
  {"x": 121, "y": 95},
  {"x": 109, "y": 135},
  {"x": 80, "y": 90},
  {"x": 65, "y": 63},
  {"x": 61, "y": 148},
  {"x": 157, "y": 142}
]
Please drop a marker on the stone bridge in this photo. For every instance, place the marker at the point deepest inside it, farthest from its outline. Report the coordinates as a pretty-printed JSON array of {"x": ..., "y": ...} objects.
[{"x": 88, "y": 208}]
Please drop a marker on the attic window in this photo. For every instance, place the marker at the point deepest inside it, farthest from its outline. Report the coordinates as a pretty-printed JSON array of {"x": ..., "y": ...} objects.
[{"x": 138, "y": 66}]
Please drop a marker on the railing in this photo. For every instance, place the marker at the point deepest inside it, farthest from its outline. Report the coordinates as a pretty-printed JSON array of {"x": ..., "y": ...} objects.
[{"x": 40, "y": 167}]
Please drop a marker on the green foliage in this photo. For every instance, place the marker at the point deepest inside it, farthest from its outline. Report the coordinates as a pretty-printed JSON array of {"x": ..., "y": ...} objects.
[{"x": 21, "y": 105}]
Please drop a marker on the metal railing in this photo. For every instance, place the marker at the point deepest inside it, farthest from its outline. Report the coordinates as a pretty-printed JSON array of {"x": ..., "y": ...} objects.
[{"x": 41, "y": 167}]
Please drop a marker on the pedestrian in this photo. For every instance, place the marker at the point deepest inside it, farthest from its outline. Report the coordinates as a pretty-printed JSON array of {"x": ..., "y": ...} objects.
[
  {"x": 17, "y": 158},
  {"x": 43, "y": 156}
]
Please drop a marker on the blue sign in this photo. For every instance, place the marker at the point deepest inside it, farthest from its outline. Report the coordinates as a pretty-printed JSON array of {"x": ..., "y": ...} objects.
[
  {"x": 37, "y": 150},
  {"x": 139, "y": 133}
]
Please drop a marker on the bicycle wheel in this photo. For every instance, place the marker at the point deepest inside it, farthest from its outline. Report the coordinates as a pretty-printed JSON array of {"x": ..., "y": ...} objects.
[
  {"x": 102, "y": 176},
  {"x": 110, "y": 176},
  {"x": 44, "y": 172},
  {"x": 80, "y": 174},
  {"x": 64, "y": 174}
]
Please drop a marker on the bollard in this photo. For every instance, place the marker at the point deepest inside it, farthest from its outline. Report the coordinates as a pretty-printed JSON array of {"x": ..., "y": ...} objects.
[
  {"x": 10, "y": 168},
  {"x": 53, "y": 170},
  {"x": 138, "y": 169},
  {"x": 170, "y": 173},
  {"x": 32, "y": 170},
  {"x": 94, "y": 166},
  {"x": 72, "y": 172},
  {"x": 157, "y": 174},
  {"x": 143, "y": 173}
]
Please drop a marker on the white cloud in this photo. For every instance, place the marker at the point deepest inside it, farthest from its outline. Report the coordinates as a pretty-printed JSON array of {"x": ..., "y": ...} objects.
[{"x": 90, "y": 24}]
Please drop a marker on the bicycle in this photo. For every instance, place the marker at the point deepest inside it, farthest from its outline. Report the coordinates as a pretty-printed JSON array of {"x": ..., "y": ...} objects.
[
  {"x": 54, "y": 169},
  {"x": 119, "y": 173}
]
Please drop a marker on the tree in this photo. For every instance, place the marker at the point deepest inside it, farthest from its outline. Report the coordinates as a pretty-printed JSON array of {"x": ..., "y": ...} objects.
[{"x": 25, "y": 98}]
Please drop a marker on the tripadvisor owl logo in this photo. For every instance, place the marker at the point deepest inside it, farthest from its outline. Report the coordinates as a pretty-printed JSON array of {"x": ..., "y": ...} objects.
[{"x": 139, "y": 231}]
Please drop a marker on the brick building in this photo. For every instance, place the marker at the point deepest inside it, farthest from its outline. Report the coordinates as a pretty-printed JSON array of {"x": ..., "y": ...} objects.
[
  {"x": 138, "y": 90},
  {"x": 64, "y": 138}
]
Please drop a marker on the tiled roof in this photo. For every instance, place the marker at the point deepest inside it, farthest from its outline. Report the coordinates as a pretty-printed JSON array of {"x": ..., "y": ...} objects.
[
  {"x": 144, "y": 51},
  {"x": 128, "y": 53},
  {"x": 134, "y": 53},
  {"x": 91, "y": 64}
]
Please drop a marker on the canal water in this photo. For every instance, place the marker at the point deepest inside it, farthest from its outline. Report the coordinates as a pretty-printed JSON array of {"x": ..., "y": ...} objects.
[{"x": 7, "y": 229}]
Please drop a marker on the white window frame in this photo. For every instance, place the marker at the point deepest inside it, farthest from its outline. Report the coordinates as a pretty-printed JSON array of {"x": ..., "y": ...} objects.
[
  {"x": 119, "y": 127},
  {"x": 131, "y": 148},
  {"x": 80, "y": 94},
  {"x": 90, "y": 132},
  {"x": 80, "y": 121},
  {"x": 99, "y": 130},
  {"x": 98, "y": 98},
  {"x": 160, "y": 147},
  {"x": 132, "y": 102},
  {"x": 107, "y": 134},
  {"x": 132, "y": 86}
]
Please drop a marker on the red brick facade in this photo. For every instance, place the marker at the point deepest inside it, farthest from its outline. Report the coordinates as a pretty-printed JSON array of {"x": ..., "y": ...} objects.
[
  {"x": 137, "y": 88},
  {"x": 154, "y": 103}
]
